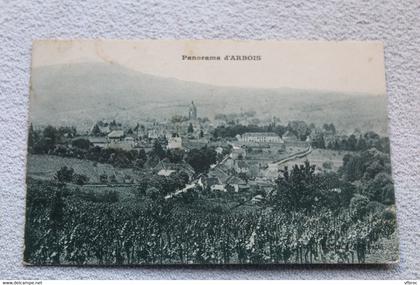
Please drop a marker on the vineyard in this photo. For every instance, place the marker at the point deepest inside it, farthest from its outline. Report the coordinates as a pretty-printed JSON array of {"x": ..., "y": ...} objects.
[{"x": 74, "y": 230}]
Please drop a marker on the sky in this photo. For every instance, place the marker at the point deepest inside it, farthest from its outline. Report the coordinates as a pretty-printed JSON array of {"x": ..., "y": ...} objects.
[{"x": 349, "y": 66}]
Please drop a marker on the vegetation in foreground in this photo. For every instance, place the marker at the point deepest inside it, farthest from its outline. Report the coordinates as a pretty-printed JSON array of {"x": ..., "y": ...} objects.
[{"x": 302, "y": 221}]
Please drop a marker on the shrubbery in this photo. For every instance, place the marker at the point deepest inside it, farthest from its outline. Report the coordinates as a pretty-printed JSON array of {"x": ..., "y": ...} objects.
[{"x": 66, "y": 175}]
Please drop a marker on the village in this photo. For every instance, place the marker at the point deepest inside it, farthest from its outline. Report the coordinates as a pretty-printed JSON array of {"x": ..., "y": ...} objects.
[{"x": 248, "y": 161}]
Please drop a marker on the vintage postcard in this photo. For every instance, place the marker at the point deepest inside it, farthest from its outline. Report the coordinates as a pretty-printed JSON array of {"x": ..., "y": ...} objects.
[{"x": 208, "y": 152}]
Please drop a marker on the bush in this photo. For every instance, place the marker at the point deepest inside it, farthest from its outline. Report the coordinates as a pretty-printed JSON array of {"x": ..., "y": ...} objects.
[
  {"x": 103, "y": 178},
  {"x": 81, "y": 143},
  {"x": 358, "y": 206},
  {"x": 152, "y": 193},
  {"x": 80, "y": 179},
  {"x": 110, "y": 197},
  {"x": 65, "y": 174}
]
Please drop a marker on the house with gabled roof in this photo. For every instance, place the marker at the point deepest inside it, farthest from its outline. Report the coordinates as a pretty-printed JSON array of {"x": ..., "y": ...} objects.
[
  {"x": 260, "y": 137},
  {"x": 174, "y": 167},
  {"x": 220, "y": 173},
  {"x": 237, "y": 183},
  {"x": 116, "y": 135},
  {"x": 98, "y": 141}
]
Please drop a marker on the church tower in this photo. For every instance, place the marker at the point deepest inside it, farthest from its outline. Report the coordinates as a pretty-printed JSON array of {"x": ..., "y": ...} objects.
[{"x": 192, "y": 112}]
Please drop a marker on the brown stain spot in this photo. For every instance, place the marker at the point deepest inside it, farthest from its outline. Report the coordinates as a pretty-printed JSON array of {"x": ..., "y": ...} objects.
[
  {"x": 189, "y": 48},
  {"x": 370, "y": 59},
  {"x": 101, "y": 53}
]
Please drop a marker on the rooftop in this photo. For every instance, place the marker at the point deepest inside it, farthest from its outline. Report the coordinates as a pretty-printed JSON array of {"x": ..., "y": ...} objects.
[
  {"x": 165, "y": 172},
  {"x": 242, "y": 164},
  {"x": 97, "y": 139},
  {"x": 116, "y": 134},
  {"x": 266, "y": 134},
  {"x": 235, "y": 180},
  {"x": 163, "y": 165}
]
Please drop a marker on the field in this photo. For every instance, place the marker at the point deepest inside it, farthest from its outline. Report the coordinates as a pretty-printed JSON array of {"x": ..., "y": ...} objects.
[
  {"x": 44, "y": 167},
  {"x": 320, "y": 156}
]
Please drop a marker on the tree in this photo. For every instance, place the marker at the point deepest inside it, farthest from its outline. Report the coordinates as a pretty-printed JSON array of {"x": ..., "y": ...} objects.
[
  {"x": 358, "y": 206},
  {"x": 158, "y": 150},
  {"x": 96, "y": 131},
  {"x": 347, "y": 192},
  {"x": 175, "y": 155},
  {"x": 152, "y": 193},
  {"x": 139, "y": 157},
  {"x": 280, "y": 130},
  {"x": 51, "y": 134},
  {"x": 176, "y": 119},
  {"x": 318, "y": 141},
  {"x": 201, "y": 159},
  {"x": 140, "y": 190},
  {"x": 65, "y": 174},
  {"x": 243, "y": 176},
  {"x": 188, "y": 197},
  {"x": 381, "y": 189},
  {"x": 69, "y": 132},
  {"x": 80, "y": 179},
  {"x": 352, "y": 142},
  {"x": 183, "y": 177},
  {"x": 361, "y": 144},
  {"x": 49, "y": 139},
  {"x": 113, "y": 178},
  {"x": 190, "y": 128},
  {"x": 352, "y": 168},
  {"x": 330, "y": 128},
  {"x": 103, "y": 178},
  {"x": 81, "y": 143},
  {"x": 299, "y": 128},
  {"x": 297, "y": 189}
]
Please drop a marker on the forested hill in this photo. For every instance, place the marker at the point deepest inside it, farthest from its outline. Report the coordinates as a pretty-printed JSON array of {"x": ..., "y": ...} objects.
[{"x": 80, "y": 94}]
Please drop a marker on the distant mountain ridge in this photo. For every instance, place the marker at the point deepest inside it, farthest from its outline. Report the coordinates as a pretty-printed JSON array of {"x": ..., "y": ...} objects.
[{"x": 80, "y": 94}]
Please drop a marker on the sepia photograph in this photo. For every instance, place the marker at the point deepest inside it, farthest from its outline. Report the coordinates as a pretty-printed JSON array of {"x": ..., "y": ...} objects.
[{"x": 155, "y": 152}]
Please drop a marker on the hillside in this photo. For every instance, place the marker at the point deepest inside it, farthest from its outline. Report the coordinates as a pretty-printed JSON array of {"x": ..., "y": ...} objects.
[
  {"x": 45, "y": 167},
  {"x": 80, "y": 94}
]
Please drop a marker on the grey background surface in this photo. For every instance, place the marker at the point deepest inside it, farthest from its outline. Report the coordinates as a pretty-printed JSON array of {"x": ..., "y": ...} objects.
[{"x": 396, "y": 23}]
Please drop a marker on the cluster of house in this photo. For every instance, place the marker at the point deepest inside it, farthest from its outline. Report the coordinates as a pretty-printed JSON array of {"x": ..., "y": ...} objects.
[
  {"x": 114, "y": 139},
  {"x": 239, "y": 171},
  {"x": 165, "y": 168},
  {"x": 232, "y": 176},
  {"x": 232, "y": 172},
  {"x": 112, "y": 135}
]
